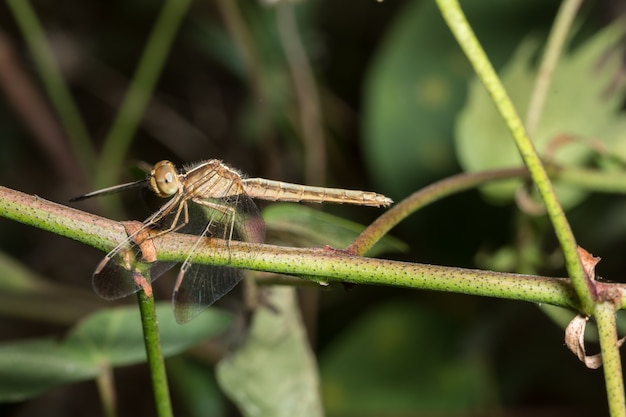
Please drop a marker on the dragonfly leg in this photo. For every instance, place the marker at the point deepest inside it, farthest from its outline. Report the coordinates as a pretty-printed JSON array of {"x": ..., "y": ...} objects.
[
  {"x": 187, "y": 263},
  {"x": 176, "y": 223},
  {"x": 229, "y": 211}
]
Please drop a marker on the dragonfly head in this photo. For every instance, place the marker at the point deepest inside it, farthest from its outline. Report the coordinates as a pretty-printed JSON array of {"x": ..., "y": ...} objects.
[{"x": 164, "y": 179}]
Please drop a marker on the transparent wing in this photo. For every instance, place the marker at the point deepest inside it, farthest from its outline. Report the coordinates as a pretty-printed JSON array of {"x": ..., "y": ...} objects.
[
  {"x": 198, "y": 286},
  {"x": 120, "y": 272}
]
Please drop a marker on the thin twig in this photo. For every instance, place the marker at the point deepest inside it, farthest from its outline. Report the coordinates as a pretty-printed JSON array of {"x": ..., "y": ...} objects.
[
  {"x": 580, "y": 178},
  {"x": 54, "y": 84},
  {"x": 556, "y": 41},
  {"x": 26, "y": 97},
  {"x": 143, "y": 82},
  {"x": 311, "y": 125},
  {"x": 106, "y": 389},
  {"x": 421, "y": 198}
]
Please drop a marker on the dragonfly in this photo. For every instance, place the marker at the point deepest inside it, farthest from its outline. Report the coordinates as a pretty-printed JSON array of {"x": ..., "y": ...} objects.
[{"x": 209, "y": 200}]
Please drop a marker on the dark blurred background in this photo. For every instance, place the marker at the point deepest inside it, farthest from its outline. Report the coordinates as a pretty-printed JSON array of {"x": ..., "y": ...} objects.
[{"x": 390, "y": 82}]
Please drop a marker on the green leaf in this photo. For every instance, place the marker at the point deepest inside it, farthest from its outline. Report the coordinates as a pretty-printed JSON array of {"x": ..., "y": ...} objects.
[
  {"x": 582, "y": 105},
  {"x": 296, "y": 224},
  {"x": 417, "y": 83},
  {"x": 28, "y": 368},
  {"x": 402, "y": 359},
  {"x": 115, "y": 337},
  {"x": 16, "y": 279},
  {"x": 25, "y": 294},
  {"x": 273, "y": 373},
  {"x": 105, "y": 339}
]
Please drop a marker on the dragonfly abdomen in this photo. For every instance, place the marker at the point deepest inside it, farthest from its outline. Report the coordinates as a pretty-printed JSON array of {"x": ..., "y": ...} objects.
[{"x": 264, "y": 189}]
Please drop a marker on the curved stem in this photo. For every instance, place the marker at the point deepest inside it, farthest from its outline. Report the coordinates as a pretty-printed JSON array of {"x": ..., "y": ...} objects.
[
  {"x": 454, "y": 17},
  {"x": 581, "y": 178},
  {"x": 421, "y": 198}
]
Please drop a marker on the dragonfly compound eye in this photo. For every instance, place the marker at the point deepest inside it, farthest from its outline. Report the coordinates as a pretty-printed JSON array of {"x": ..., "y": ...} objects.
[{"x": 164, "y": 179}]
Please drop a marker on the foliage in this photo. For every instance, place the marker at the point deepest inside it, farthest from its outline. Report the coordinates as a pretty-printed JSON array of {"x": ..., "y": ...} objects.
[{"x": 189, "y": 81}]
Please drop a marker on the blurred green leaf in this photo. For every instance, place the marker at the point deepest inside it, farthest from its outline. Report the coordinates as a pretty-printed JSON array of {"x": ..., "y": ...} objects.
[
  {"x": 582, "y": 107},
  {"x": 115, "y": 336},
  {"x": 27, "y": 295},
  {"x": 269, "y": 66},
  {"x": 105, "y": 339},
  {"x": 402, "y": 359},
  {"x": 28, "y": 368},
  {"x": 15, "y": 278},
  {"x": 274, "y": 372},
  {"x": 417, "y": 83},
  {"x": 296, "y": 224}
]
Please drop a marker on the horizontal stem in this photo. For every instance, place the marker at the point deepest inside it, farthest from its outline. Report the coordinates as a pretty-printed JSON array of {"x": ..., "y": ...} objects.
[{"x": 326, "y": 264}]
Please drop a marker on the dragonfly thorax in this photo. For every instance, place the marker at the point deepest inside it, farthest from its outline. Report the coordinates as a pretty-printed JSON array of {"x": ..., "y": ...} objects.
[{"x": 164, "y": 179}]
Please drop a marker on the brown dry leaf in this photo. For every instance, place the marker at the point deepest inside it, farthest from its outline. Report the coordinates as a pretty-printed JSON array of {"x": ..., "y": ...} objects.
[
  {"x": 589, "y": 263},
  {"x": 575, "y": 341}
]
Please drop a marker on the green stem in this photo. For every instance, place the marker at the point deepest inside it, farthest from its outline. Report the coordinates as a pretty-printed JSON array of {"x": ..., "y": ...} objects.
[
  {"x": 427, "y": 195},
  {"x": 107, "y": 392},
  {"x": 462, "y": 31},
  {"x": 309, "y": 108},
  {"x": 120, "y": 136},
  {"x": 554, "y": 47},
  {"x": 156, "y": 362},
  {"x": 54, "y": 84},
  {"x": 243, "y": 39},
  {"x": 325, "y": 264},
  {"x": 614, "y": 381},
  {"x": 581, "y": 178}
]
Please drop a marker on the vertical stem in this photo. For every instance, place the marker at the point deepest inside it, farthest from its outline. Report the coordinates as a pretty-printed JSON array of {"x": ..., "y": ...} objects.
[
  {"x": 125, "y": 125},
  {"x": 463, "y": 33},
  {"x": 245, "y": 45},
  {"x": 311, "y": 128},
  {"x": 156, "y": 362},
  {"x": 613, "y": 379},
  {"x": 558, "y": 35},
  {"x": 311, "y": 124},
  {"x": 107, "y": 391},
  {"x": 54, "y": 84}
]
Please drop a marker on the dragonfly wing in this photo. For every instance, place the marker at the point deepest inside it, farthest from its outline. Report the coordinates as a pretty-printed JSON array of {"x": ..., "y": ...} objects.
[
  {"x": 202, "y": 286},
  {"x": 198, "y": 285},
  {"x": 232, "y": 218},
  {"x": 248, "y": 225},
  {"x": 111, "y": 280},
  {"x": 123, "y": 270}
]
